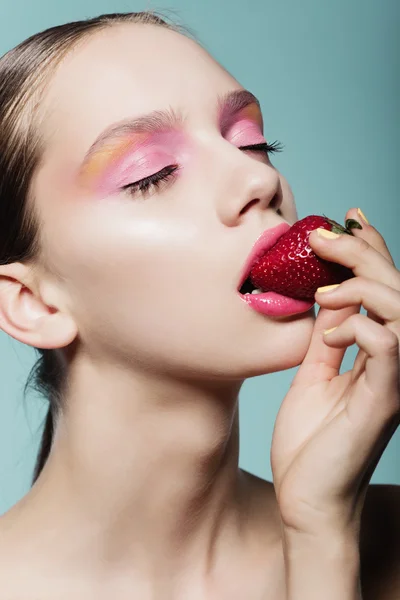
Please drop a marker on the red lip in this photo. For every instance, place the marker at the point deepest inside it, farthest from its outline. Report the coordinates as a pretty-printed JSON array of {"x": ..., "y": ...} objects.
[{"x": 262, "y": 244}]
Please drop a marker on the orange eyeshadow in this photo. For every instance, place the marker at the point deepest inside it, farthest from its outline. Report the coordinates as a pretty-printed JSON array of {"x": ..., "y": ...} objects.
[
  {"x": 108, "y": 155},
  {"x": 252, "y": 112}
]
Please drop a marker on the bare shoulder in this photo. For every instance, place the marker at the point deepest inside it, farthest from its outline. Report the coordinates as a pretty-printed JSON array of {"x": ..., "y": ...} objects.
[
  {"x": 17, "y": 560},
  {"x": 7, "y": 554},
  {"x": 380, "y": 543}
]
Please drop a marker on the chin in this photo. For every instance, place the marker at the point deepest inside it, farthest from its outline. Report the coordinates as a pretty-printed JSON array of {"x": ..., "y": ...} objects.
[
  {"x": 279, "y": 364},
  {"x": 287, "y": 351}
]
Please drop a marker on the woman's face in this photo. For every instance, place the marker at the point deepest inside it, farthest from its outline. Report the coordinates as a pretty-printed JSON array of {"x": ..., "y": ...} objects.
[{"x": 151, "y": 277}]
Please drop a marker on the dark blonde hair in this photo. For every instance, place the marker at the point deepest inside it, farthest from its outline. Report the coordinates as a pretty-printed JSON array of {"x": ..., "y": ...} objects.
[{"x": 25, "y": 71}]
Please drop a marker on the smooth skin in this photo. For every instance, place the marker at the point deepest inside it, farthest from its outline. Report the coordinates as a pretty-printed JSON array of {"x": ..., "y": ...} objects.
[{"x": 142, "y": 496}]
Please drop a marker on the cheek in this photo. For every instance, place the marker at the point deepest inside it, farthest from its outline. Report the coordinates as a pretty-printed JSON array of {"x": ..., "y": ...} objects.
[
  {"x": 113, "y": 259},
  {"x": 142, "y": 286}
]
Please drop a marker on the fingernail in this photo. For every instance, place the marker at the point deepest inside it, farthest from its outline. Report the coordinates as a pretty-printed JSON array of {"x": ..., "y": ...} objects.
[
  {"x": 364, "y": 218},
  {"x": 327, "y": 288},
  {"x": 327, "y": 234},
  {"x": 329, "y": 330}
]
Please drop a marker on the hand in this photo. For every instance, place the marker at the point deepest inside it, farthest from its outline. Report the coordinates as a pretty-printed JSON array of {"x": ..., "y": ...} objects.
[{"x": 332, "y": 428}]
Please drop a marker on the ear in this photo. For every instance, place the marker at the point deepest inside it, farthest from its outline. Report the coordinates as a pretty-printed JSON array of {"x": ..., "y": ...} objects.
[{"x": 26, "y": 316}]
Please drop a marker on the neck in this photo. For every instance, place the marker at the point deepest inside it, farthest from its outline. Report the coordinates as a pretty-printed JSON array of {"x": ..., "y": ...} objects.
[{"x": 145, "y": 470}]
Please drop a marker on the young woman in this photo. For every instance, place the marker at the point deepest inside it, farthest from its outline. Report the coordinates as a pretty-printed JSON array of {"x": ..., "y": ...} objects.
[{"x": 135, "y": 179}]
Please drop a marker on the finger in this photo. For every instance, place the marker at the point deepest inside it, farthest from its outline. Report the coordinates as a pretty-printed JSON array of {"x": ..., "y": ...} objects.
[
  {"x": 358, "y": 255},
  {"x": 374, "y": 238},
  {"x": 321, "y": 361},
  {"x": 370, "y": 234},
  {"x": 373, "y": 409},
  {"x": 361, "y": 445},
  {"x": 378, "y": 394},
  {"x": 374, "y": 296}
]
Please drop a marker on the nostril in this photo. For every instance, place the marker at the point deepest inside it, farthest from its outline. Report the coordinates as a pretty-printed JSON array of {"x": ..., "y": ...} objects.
[
  {"x": 276, "y": 200},
  {"x": 249, "y": 205}
]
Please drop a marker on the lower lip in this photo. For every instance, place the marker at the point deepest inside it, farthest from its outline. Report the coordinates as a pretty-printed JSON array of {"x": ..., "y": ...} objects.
[{"x": 276, "y": 305}]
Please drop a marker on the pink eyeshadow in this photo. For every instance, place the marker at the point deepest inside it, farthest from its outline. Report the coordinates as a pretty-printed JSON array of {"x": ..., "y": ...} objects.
[
  {"x": 133, "y": 157},
  {"x": 246, "y": 132}
]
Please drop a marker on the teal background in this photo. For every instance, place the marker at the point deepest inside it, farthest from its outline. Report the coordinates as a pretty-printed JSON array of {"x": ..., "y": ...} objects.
[{"x": 327, "y": 75}]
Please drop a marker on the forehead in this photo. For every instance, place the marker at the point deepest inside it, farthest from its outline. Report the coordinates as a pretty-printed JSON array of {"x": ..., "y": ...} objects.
[{"x": 125, "y": 71}]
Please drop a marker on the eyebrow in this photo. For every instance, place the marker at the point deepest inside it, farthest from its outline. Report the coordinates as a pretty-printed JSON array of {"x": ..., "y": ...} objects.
[{"x": 163, "y": 120}]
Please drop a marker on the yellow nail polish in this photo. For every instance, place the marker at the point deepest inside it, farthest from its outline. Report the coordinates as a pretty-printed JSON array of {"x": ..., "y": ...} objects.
[
  {"x": 327, "y": 234},
  {"x": 360, "y": 212},
  {"x": 327, "y": 288},
  {"x": 329, "y": 330}
]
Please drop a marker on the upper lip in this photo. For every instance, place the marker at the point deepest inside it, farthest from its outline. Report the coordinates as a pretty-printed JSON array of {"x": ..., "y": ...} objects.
[{"x": 263, "y": 243}]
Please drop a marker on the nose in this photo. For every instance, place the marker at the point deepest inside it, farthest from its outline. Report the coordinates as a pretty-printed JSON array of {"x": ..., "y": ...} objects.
[{"x": 250, "y": 185}]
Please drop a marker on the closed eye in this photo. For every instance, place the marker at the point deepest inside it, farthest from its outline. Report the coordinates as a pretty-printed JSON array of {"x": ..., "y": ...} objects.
[
  {"x": 264, "y": 147},
  {"x": 153, "y": 181}
]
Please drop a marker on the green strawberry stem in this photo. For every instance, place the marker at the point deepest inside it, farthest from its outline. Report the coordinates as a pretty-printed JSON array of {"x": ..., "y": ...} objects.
[{"x": 349, "y": 225}]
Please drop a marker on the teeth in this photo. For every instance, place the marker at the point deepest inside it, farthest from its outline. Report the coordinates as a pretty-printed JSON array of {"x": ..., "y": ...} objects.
[{"x": 256, "y": 291}]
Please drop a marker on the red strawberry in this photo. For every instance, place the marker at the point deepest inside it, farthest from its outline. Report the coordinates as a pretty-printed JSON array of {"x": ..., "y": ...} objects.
[{"x": 292, "y": 268}]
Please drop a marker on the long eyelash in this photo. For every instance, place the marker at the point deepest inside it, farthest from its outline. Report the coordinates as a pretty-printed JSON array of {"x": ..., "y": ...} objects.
[
  {"x": 265, "y": 147},
  {"x": 154, "y": 181}
]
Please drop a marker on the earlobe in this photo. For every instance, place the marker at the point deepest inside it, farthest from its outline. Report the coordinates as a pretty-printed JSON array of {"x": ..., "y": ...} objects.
[
  {"x": 25, "y": 317},
  {"x": 55, "y": 330}
]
